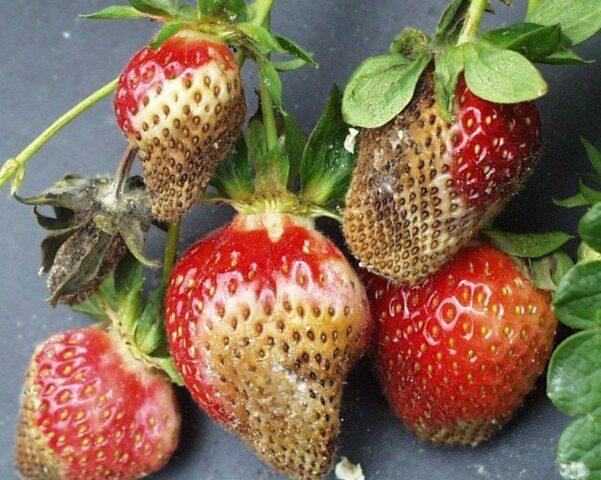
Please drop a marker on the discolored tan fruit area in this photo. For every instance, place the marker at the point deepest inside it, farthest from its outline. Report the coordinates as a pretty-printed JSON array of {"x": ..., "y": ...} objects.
[
  {"x": 187, "y": 134},
  {"x": 404, "y": 216},
  {"x": 266, "y": 318}
]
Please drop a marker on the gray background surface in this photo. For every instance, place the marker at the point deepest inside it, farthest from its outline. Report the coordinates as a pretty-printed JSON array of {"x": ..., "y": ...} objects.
[{"x": 50, "y": 59}]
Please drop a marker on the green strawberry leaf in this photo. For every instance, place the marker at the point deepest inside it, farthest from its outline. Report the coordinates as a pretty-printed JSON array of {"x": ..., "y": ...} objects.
[
  {"x": 501, "y": 76},
  {"x": 586, "y": 254},
  {"x": 94, "y": 306},
  {"x": 590, "y": 194},
  {"x": 265, "y": 163},
  {"x": 327, "y": 166},
  {"x": 161, "y": 8},
  {"x": 255, "y": 139},
  {"x": 528, "y": 245},
  {"x": 574, "y": 376},
  {"x": 381, "y": 88},
  {"x": 577, "y": 301},
  {"x": 128, "y": 276},
  {"x": 548, "y": 271},
  {"x": 234, "y": 178},
  {"x": 295, "y": 144},
  {"x": 292, "y": 48},
  {"x": 233, "y": 11},
  {"x": 261, "y": 39},
  {"x": 115, "y": 13},
  {"x": 411, "y": 42},
  {"x": 594, "y": 155},
  {"x": 165, "y": 33},
  {"x": 451, "y": 22},
  {"x": 166, "y": 364},
  {"x": 564, "y": 56},
  {"x": 271, "y": 79},
  {"x": 579, "y": 19},
  {"x": 535, "y": 42},
  {"x": 448, "y": 66},
  {"x": 579, "y": 450},
  {"x": 288, "y": 65},
  {"x": 572, "y": 202},
  {"x": 590, "y": 227}
]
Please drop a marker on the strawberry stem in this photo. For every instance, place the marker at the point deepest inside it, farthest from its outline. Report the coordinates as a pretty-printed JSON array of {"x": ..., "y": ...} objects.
[
  {"x": 170, "y": 250},
  {"x": 123, "y": 170},
  {"x": 532, "y": 5},
  {"x": 472, "y": 21},
  {"x": 15, "y": 167},
  {"x": 270, "y": 124}
]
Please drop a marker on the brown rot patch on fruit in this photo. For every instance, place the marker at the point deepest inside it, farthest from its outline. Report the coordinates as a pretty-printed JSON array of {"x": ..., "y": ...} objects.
[
  {"x": 405, "y": 215},
  {"x": 277, "y": 380}
]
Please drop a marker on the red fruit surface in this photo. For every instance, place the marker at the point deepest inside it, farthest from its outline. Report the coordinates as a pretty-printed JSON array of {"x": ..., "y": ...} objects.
[
  {"x": 457, "y": 355},
  {"x": 493, "y": 145},
  {"x": 179, "y": 56},
  {"x": 265, "y": 319},
  {"x": 91, "y": 411}
]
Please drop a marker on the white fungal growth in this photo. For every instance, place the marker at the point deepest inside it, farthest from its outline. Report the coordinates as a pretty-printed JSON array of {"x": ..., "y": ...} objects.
[
  {"x": 574, "y": 471},
  {"x": 351, "y": 140},
  {"x": 345, "y": 470}
]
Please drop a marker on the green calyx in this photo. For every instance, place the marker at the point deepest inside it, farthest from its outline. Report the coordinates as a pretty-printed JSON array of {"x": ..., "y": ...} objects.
[
  {"x": 299, "y": 176},
  {"x": 498, "y": 66},
  {"x": 547, "y": 263},
  {"x": 136, "y": 318},
  {"x": 231, "y": 21}
]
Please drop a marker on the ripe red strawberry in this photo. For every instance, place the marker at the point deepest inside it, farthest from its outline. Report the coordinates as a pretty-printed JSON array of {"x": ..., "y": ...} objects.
[
  {"x": 183, "y": 106},
  {"x": 265, "y": 319},
  {"x": 423, "y": 187},
  {"x": 457, "y": 355},
  {"x": 91, "y": 411}
]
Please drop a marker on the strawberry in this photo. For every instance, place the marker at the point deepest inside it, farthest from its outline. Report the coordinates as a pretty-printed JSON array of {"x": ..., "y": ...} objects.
[
  {"x": 457, "y": 355},
  {"x": 423, "y": 187},
  {"x": 183, "y": 106},
  {"x": 92, "y": 411},
  {"x": 265, "y": 318}
]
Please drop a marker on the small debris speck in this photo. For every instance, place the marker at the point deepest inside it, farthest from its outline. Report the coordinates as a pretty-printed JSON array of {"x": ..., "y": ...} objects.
[{"x": 345, "y": 470}]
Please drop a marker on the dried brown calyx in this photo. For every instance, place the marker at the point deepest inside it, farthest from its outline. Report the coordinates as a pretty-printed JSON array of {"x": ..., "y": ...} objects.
[{"x": 96, "y": 221}]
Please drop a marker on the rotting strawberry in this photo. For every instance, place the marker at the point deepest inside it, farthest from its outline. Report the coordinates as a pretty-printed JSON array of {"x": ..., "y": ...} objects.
[
  {"x": 457, "y": 355},
  {"x": 93, "y": 411},
  {"x": 451, "y": 133},
  {"x": 265, "y": 319},
  {"x": 423, "y": 186},
  {"x": 183, "y": 106}
]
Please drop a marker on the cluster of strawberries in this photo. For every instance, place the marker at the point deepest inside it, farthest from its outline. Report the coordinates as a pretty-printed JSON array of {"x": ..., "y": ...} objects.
[{"x": 263, "y": 319}]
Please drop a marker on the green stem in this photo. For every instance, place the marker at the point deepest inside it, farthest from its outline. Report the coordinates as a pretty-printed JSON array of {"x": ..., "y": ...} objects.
[
  {"x": 17, "y": 163},
  {"x": 267, "y": 109},
  {"x": 472, "y": 21},
  {"x": 532, "y": 4},
  {"x": 170, "y": 250}
]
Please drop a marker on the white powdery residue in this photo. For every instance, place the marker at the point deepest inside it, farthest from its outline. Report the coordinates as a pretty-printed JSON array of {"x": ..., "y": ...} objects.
[
  {"x": 574, "y": 471},
  {"x": 345, "y": 470},
  {"x": 351, "y": 139},
  {"x": 481, "y": 470}
]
